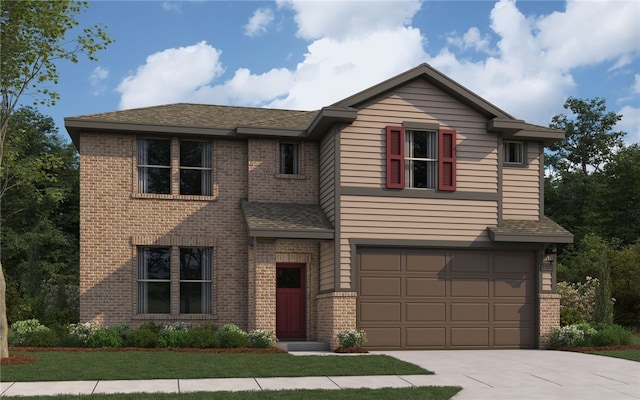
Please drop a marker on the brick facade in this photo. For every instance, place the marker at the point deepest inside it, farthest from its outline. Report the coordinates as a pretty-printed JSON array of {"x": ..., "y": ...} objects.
[
  {"x": 549, "y": 317},
  {"x": 336, "y": 313}
]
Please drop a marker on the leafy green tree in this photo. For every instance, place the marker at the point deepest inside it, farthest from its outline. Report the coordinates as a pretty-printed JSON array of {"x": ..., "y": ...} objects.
[
  {"x": 589, "y": 141},
  {"x": 39, "y": 218},
  {"x": 33, "y": 39}
]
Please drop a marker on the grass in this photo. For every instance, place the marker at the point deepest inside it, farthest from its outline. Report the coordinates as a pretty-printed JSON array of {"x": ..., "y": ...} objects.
[
  {"x": 633, "y": 355},
  {"x": 413, "y": 393},
  {"x": 65, "y": 366}
]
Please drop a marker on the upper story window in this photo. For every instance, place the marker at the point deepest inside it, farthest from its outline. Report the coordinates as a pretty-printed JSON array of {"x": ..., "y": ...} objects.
[
  {"x": 421, "y": 157},
  {"x": 514, "y": 153},
  {"x": 289, "y": 158},
  {"x": 154, "y": 166},
  {"x": 195, "y": 168}
]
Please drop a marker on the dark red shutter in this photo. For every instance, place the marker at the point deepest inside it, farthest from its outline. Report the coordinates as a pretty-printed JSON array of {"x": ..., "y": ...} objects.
[
  {"x": 447, "y": 160},
  {"x": 395, "y": 157}
]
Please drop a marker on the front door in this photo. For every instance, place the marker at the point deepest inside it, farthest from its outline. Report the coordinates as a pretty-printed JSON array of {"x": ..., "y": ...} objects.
[{"x": 290, "y": 312}]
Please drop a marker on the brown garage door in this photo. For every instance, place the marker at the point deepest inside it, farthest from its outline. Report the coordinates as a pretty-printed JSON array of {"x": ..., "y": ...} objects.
[{"x": 438, "y": 299}]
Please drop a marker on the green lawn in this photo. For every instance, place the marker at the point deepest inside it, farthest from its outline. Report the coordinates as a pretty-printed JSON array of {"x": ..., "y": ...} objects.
[
  {"x": 633, "y": 355},
  {"x": 414, "y": 393},
  {"x": 64, "y": 366}
]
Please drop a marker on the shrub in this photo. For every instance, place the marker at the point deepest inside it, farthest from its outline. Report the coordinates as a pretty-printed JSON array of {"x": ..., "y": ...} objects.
[
  {"x": 352, "y": 338},
  {"x": 202, "y": 337},
  {"x": 577, "y": 301},
  {"x": 231, "y": 336},
  {"x": 571, "y": 335},
  {"x": 174, "y": 335},
  {"x": 145, "y": 336},
  {"x": 104, "y": 337},
  {"x": 261, "y": 339},
  {"x": 79, "y": 334},
  {"x": 611, "y": 335},
  {"x": 123, "y": 331},
  {"x": 23, "y": 330},
  {"x": 42, "y": 338}
]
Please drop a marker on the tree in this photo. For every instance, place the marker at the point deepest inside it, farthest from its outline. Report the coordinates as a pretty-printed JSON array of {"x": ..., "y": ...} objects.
[
  {"x": 589, "y": 141},
  {"x": 33, "y": 38}
]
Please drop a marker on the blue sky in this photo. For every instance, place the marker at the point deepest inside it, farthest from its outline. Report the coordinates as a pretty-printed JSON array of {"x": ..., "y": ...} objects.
[{"x": 526, "y": 57}]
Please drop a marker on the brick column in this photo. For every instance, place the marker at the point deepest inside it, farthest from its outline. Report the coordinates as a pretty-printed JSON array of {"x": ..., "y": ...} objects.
[
  {"x": 262, "y": 286},
  {"x": 549, "y": 311},
  {"x": 336, "y": 313}
]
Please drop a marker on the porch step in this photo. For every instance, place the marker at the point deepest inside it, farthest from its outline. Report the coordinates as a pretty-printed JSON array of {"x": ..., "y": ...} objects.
[{"x": 302, "y": 346}]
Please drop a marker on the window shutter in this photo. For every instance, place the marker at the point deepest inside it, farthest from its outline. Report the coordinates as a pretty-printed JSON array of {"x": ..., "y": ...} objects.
[
  {"x": 447, "y": 160},
  {"x": 395, "y": 157}
]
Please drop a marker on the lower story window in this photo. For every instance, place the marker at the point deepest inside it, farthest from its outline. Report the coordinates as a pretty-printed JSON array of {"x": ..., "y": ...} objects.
[
  {"x": 154, "y": 280},
  {"x": 195, "y": 280}
]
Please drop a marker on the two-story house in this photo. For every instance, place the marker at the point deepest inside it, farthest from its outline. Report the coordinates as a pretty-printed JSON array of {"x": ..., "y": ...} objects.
[{"x": 412, "y": 210}]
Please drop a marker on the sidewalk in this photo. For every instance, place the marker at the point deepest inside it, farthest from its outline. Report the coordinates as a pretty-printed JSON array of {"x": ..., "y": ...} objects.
[{"x": 210, "y": 385}]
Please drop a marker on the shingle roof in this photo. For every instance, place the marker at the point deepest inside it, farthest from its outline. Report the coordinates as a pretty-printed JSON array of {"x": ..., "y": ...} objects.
[
  {"x": 207, "y": 116},
  {"x": 296, "y": 221},
  {"x": 545, "y": 230}
]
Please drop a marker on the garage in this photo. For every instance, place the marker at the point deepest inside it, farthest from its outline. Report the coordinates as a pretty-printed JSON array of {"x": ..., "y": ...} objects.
[{"x": 446, "y": 299}]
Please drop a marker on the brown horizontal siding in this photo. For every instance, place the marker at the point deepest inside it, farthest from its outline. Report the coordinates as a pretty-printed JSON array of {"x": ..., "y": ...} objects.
[
  {"x": 365, "y": 217},
  {"x": 521, "y": 188},
  {"x": 327, "y": 179},
  {"x": 326, "y": 265},
  {"x": 362, "y": 144}
]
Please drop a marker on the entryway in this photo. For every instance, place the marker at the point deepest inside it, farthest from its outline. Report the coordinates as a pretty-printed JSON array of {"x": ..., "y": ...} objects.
[{"x": 290, "y": 304}]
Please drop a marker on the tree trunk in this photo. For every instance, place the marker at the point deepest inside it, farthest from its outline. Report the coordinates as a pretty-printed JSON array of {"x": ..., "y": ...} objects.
[{"x": 4, "y": 326}]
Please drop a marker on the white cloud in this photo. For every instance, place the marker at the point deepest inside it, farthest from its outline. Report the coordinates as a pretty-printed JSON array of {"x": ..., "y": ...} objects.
[
  {"x": 172, "y": 6},
  {"x": 171, "y": 75},
  {"x": 630, "y": 123},
  {"x": 259, "y": 22},
  {"x": 340, "y": 20},
  {"x": 471, "y": 39},
  {"x": 96, "y": 80},
  {"x": 636, "y": 85}
]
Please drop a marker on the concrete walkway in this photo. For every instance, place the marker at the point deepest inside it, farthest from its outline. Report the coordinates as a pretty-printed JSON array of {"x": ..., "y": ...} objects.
[{"x": 494, "y": 374}]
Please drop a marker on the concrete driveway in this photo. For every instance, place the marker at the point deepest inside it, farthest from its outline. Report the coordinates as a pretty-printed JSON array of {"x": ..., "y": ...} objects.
[{"x": 527, "y": 374}]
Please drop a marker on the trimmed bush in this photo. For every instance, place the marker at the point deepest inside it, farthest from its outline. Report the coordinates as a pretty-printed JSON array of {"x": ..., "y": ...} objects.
[
  {"x": 105, "y": 337},
  {"x": 202, "y": 337},
  {"x": 260, "y": 339},
  {"x": 24, "y": 332},
  {"x": 352, "y": 338},
  {"x": 123, "y": 330},
  {"x": 79, "y": 334},
  {"x": 174, "y": 335},
  {"x": 571, "y": 335},
  {"x": 230, "y": 336},
  {"x": 146, "y": 336},
  {"x": 611, "y": 335},
  {"x": 42, "y": 338}
]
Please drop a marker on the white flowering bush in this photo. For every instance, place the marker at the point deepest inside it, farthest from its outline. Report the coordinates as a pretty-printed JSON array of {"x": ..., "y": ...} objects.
[
  {"x": 352, "y": 338},
  {"x": 261, "y": 339},
  {"x": 24, "y": 330},
  {"x": 79, "y": 333},
  {"x": 577, "y": 301},
  {"x": 571, "y": 335},
  {"x": 174, "y": 335}
]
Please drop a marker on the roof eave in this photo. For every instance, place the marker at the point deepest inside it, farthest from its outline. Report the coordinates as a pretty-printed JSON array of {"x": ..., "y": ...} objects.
[
  {"x": 327, "y": 117},
  {"x": 527, "y": 237},
  {"x": 292, "y": 234}
]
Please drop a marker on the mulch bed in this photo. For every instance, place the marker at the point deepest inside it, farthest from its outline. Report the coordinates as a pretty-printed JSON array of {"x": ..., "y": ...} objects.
[
  {"x": 15, "y": 359},
  {"x": 351, "y": 350}
]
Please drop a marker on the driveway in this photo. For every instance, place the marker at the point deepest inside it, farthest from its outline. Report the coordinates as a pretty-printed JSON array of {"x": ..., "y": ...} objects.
[{"x": 528, "y": 374}]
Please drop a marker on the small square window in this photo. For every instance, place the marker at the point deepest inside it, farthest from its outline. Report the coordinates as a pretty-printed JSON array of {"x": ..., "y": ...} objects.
[
  {"x": 514, "y": 153},
  {"x": 289, "y": 158}
]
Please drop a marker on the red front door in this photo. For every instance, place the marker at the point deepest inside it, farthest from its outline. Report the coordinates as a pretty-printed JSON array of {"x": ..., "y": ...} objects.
[{"x": 290, "y": 313}]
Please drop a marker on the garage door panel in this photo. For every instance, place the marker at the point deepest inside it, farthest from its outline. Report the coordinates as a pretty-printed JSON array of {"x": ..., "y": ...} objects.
[
  {"x": 513, "y": 312},
  {"x": 380, "y": 262},
  {"x": 447, "y": 299},
  {"x": 426, "y": 312},
  {"x": 383, "y": 337},
  {"x": 470, "y": 262},
  {"x": 426, "y": 262},
  {"x": 470, "y": 288},
  {"x": 512, "y": 263},
  {"x": 476, "y": 337},
  {"x": 513, "y": 337},
  {"x": 470, "y": 312},
  {"x": 380, "y": 286},
  {"x": 380, "y": 312},
  {"x": 425, "y": 337},
  {"x": 425, "y": 287},
  {"x": 514, "y": 286}
]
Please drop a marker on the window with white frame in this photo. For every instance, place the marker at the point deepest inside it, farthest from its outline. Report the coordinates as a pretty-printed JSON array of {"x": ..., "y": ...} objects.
[
  {"x": 514, "y": 152},
  {"x": 154, "y": 280},
  {"x": 421, "y": 159},
  {"x": 195, "y": 280},
  {"x": 289, "y": 158},
  {"x": 154, "y": 166},
  {"x": 195, "y": 168}
]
